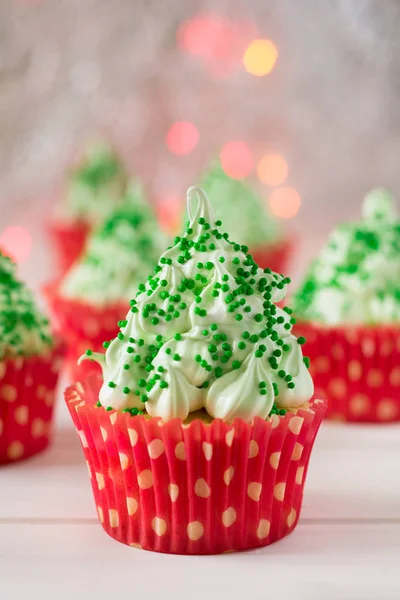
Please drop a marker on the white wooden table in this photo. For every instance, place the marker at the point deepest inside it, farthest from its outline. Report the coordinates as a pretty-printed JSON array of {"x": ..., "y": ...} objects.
[{"x": 346, "y": 546}]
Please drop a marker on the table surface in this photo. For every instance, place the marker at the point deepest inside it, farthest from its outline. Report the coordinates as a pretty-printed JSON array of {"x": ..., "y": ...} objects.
[{"x": 347, "y": 543}]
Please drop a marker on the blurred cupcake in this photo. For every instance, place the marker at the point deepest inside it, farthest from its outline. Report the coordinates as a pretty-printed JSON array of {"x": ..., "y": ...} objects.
[
  {"x": 93, "y": 294},
  {"x": 349, "y": 305},
  {"x": 93, "y": 187},
  {"x": 247, "y": 219},
  {"x": 29, "y": 365},
  {"x": 198, "y": 435}
]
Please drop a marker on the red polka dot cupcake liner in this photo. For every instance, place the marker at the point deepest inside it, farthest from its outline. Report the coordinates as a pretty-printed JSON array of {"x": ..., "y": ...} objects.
[
  {"x": 83, "y": 326},
  {"x": 357, "y": 369},
  {"x": 69, "y": 241},
  {"x": 194, "y": 488},
  {"x": 275, "y": 257},
  {"x": 27, "y": 395}
]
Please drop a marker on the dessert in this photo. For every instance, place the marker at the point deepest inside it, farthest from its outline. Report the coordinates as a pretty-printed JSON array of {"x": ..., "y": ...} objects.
[
  {"x": 29, "y": 365},
  {"x": 349, "y": 307},
  {"x": 199, "y": 432}
]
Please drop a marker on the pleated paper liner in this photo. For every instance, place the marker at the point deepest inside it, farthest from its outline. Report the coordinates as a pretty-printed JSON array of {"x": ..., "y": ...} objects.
[
  {"x": 276, "y": 257},
  {"x": 69, "y": 240},
  {"x": 84, "y": 326},
  {"x": 198, "y": 488},
  {"x": 357, "y": 368},
  {"x": 27, "y": 394}
]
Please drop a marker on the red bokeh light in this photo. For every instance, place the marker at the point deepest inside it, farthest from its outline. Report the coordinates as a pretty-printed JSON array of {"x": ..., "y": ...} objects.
[
  {"x": 236, "y": 160},
  {"x": 285, "y": 202},
  {"x": 169, "y": 211},
  {"x": 16, "y": 242},
  {"x": 182, "y": 138}
]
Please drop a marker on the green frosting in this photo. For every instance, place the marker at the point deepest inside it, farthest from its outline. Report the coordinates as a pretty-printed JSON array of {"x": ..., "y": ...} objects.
[
  {"x": 243, "y": 213},
  {"x": 95, "y": 185},
  {"x": 356, "y": 278},
  {"x": 119, "y": 254},
  {"x": 23, "y": 329}
]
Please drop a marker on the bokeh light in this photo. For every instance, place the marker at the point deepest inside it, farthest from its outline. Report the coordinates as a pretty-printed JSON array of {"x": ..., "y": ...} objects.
[
  {"x": 16, "y": 242},
  {"x": 205, "y": 35},
  {"x": 260, "y": 57},
  {"x": 272, "y": 169},
  {"x": 182, "y": 138},
  {"x": 169, "y": 211},
  {"x": 236, "y": 160},
  {"x": 285, "y": 202}
]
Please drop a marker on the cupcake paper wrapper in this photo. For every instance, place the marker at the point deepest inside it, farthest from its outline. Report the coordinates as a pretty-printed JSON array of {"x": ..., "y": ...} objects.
[
  {"x": 69, "y": 241},
  {"x": 27, "y": 394},
  {"x": 275, "y": 257},
  {"x": 84, "y": 326},
  {"x": 197, "y": 488},
  {"x": 357, "y": 369}
]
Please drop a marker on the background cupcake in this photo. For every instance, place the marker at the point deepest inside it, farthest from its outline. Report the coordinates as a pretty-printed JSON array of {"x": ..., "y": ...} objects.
[
  {"x": 90, "y": 298},
  {"x": 247, "y": 219},
  {"x": 29, "y": 365},
  {"x": 93, "y": 187},
  {"x": 199, "y": 434},
  {"x": 349, "y": 305}
]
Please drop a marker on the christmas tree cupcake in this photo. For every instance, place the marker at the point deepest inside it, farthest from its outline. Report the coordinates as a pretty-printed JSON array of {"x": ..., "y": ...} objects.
[
  {"x": 349, "y": 305},
  {"x": 247, "y": 219},
  {"x": 92, "y": 295},
  {"x": 94, "y": 185},
  {"x": 199, "y": 433},
  {"x": 29, "y": 365}
]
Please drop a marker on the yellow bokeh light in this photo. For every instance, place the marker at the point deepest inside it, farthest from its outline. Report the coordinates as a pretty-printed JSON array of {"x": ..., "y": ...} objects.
[
  {"x": 260, "y": 57},
  {"x": 285, "y": 202},
  {"x": 272, "y": 169}
]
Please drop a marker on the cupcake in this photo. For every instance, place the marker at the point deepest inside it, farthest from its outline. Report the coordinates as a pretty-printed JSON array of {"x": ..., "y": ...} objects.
[
  {"x": 94, "y": 185},
  {"x": 92, "y": 295},
  {"x": 247, "y": 219},
  {"x": 29, "y": 365},
  {"x": 198, "y": 433},
  {"x": 349, "y": 308}
]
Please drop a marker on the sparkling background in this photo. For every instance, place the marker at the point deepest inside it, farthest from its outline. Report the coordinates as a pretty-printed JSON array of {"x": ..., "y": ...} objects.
[{"x": 131, "y": 69}]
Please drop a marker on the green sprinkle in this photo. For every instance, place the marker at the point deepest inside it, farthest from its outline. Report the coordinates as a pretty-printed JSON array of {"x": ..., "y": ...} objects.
[
  {"x": 301, "y": 340},
  {"x": 126, "y": 390},
  {"x": 236, "y": 364}
]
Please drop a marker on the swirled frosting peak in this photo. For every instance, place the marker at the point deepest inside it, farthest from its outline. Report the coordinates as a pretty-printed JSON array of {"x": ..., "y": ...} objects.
[
  {"x": 356, "y": 277},
  {"x": 204, "y": 331}
]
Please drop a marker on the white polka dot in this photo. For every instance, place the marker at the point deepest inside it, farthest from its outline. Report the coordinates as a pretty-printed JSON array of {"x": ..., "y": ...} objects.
[
  {"x": 180, "y": 451},
  {"x": 275, "y": 420},
  {"x": 254, "y": 490},
  {"x": 195, "y": 530},
  {"x": 89, "y": 469},
  {"x": 104, "y": 433},
  {"x": 253, "y": 449},
  {"x": 201, "y": 488},
  {"x": 263, "y": 529},
  {"x": 41, "y": 391},
  {"x": 135, "y": 545},
  {"x": 228, "y": 475},
  {"x": 386, "y": 410},
  {"x": 299, "y": 475},
  {"x": 207, "y": 450},
  {"x": 49, "y": 398},
  {"x": 297, "y": 451},
  {"x": 145, "y": 479},
  {"x": 368, "y": 347},
  {"x": 291, "y": 517},
  {"x": 375, "y": 378},
  {"x": 15, "y": 450},
  {"x": 132, "y": 506},
  {"x": 274, "y": 460},
  {"x": 155, "y": 448},
  {"x": 101, "y": 514},
  {"x": 394, "y": 377},
  {"x": 133, "y": 436},
  {"x": 83, "y": 438},
  {"x": 279, "y": 491},
  {"x": 295, "y": 424},
  {"x": 8, "y": 392},
  {"x": 22, "y": 415},
  {"x": 229, "y": 437},
  {"x": 354, "y": 370},
  {"x": 124, "y": 460},
  {"x": 2, "y": 370},
  {"x": 229, "y": 516},
  {"x": 113, "y": 517},
  {"x": 337, "y": 387},
  {"x": 321, "y": 364},
  {"x": 359, "y": 404},
  {"x": 159, "y": 526},
  {"x": 38, "y": 428},
  {"x": 113, "y": 418},
  {"x": 173, "y": 491},
  {"x": 100, "y": 481}
]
